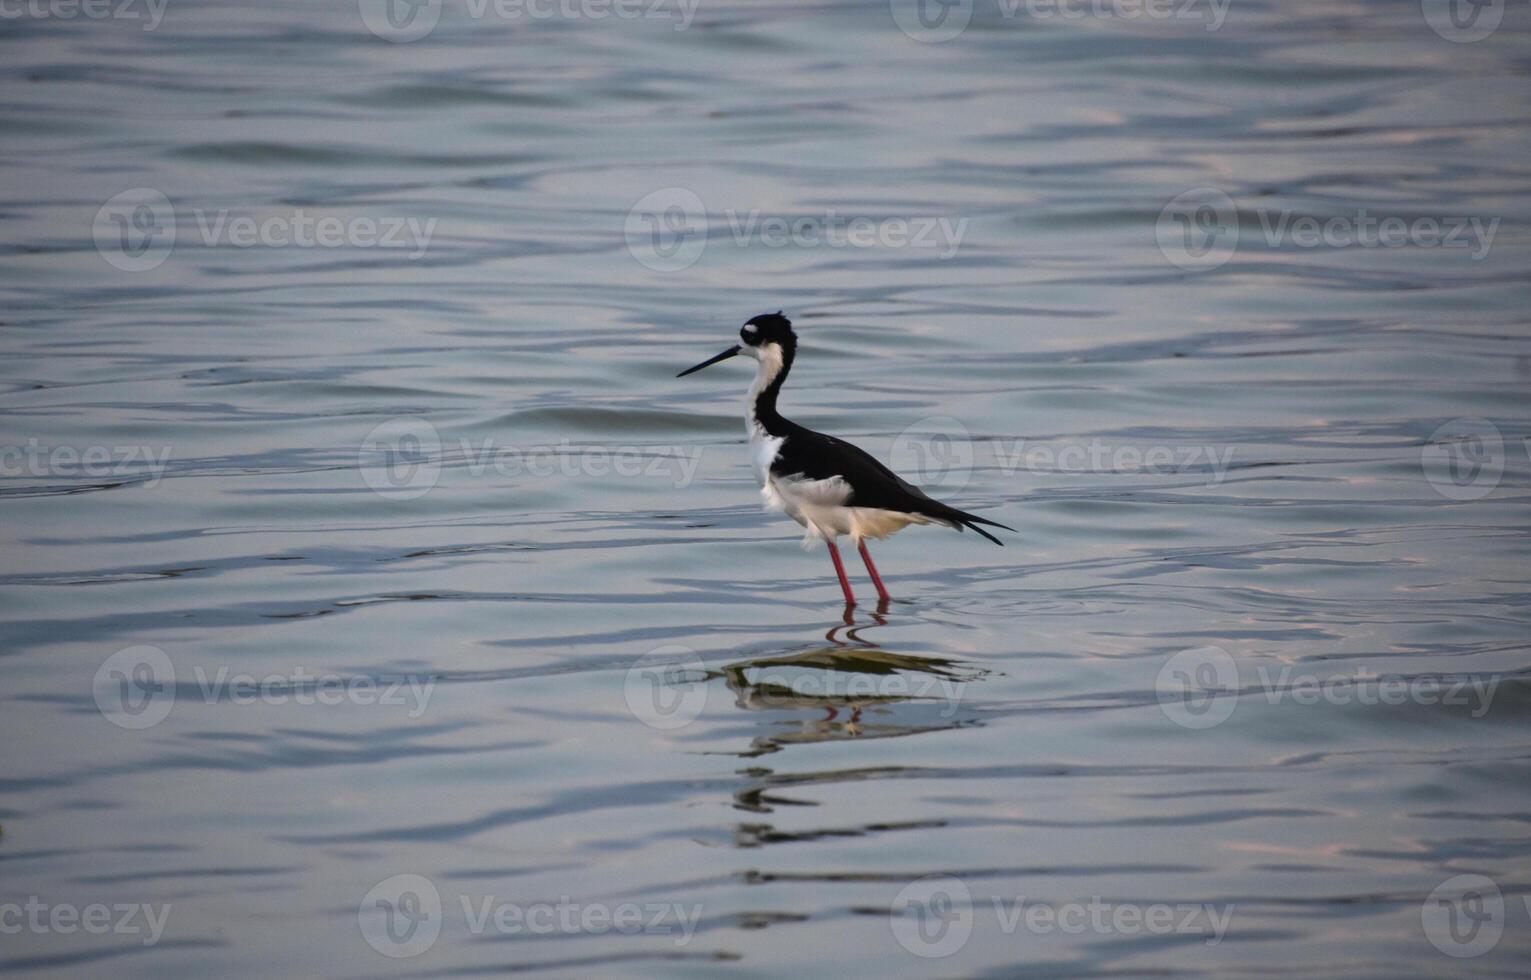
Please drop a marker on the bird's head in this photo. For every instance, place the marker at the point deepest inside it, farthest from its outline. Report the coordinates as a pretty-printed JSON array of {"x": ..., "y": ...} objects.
[{"x": 767, "y": 338}]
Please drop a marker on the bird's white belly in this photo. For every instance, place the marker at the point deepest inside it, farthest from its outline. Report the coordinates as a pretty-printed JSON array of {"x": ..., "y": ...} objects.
[{"x": 820, "y": 506}]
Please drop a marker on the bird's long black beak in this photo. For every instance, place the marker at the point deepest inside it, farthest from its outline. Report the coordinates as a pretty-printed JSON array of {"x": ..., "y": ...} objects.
[{"x": 710, "y": 361}]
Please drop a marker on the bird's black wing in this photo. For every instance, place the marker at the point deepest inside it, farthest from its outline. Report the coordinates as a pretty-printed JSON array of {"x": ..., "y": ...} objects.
[{"x": 820, "y": 457}]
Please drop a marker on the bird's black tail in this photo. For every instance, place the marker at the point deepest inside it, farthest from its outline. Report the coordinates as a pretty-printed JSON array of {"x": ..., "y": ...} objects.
[{"x": 961, "y": 519}]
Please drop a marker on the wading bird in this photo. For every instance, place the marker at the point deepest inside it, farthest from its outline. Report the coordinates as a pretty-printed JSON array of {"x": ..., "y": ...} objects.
[{"x": 825, "y": 484}]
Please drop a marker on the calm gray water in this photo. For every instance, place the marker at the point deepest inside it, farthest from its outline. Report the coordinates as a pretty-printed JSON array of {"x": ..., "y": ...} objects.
[{"x": 356, "y": 527}]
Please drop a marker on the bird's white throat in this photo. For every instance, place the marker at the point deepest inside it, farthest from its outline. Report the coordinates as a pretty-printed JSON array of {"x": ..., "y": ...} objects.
[{"x": 769, "y": 362}]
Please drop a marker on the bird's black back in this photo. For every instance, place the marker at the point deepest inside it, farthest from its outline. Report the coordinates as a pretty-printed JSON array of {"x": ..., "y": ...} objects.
[{"x": 816, "y": 456}]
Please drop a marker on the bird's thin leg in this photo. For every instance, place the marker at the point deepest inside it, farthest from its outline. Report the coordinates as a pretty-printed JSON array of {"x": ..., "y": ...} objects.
[
  {"x": 845, "y": 583},
  {"x": 882, "y": 590}
]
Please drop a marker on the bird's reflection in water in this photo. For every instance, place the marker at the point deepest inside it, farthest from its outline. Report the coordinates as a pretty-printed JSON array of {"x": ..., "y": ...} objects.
[{"x": 850, "y": 688}]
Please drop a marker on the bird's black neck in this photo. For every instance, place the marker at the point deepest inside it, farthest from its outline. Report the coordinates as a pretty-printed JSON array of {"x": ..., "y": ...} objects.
[{"x": 763, "y": 408}]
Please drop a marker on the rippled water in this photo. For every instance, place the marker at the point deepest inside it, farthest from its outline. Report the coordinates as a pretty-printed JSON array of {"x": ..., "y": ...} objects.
[{"x": 425, "y": 564}]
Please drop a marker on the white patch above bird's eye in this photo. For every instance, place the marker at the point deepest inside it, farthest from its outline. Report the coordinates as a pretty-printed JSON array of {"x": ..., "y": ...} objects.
[{"x": 749, "y": 328}]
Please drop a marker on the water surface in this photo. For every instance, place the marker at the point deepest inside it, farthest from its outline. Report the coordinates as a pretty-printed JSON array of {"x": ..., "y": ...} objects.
[{"x": 579, "y": 668}]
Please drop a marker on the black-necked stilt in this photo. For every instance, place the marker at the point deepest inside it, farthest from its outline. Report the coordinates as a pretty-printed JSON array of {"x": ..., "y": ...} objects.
[{"x": 825, "y": 484}]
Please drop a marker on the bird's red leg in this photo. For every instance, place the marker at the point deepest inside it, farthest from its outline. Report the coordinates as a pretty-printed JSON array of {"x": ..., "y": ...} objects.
[
  {"x": 866, "y": 556},
  {"x": 845, "y": 583}
]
